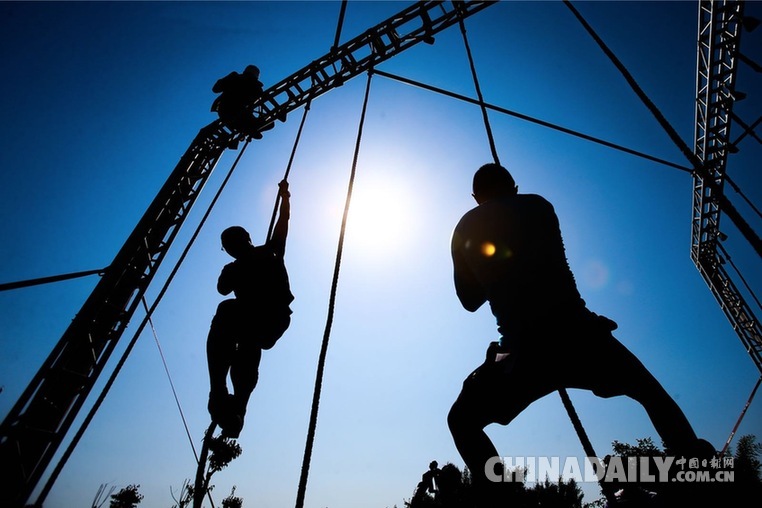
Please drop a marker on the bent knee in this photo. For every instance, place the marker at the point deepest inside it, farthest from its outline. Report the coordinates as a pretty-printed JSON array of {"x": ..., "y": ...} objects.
[{"x": 460, "y": 419}]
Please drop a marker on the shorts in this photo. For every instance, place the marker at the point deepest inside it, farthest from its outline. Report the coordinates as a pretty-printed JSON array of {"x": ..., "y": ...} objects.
[
  {"x": 245, "y": 327},
  {"x": 498, "y": 391}
]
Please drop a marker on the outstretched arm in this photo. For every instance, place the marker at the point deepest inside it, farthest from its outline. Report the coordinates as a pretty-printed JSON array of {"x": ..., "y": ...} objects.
[{"x": 280, "y": 231}]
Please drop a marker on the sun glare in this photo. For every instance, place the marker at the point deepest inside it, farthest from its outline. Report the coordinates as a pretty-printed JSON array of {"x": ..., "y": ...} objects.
[{"x": 381, "y": 217}]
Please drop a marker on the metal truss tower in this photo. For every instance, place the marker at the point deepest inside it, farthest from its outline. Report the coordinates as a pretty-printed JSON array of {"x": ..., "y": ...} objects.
[{"x": 718, "y": 45}]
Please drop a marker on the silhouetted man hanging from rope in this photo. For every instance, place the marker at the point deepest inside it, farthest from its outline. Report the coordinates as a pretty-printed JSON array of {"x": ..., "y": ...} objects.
[
  {"x": 508, "y": 251},
  {"x": 235, "y": 105},
  {"x": 252, "y": 321}
]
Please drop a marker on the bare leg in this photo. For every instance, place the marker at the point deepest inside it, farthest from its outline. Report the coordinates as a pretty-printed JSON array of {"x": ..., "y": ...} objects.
[
  {"x": 473, "y": 444},
  {"x": 638, "y": 383}
]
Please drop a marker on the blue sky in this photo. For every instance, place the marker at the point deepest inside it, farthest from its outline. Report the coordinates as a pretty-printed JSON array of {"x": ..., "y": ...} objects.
[{"x": 100, "y": 100}]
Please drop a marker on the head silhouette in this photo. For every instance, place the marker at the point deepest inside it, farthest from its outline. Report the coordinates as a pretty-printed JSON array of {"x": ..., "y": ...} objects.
[
  {"x": 253, "y": 70},
  {"x": 492, "y": 181},
  {"x": 235, "y": 240}
]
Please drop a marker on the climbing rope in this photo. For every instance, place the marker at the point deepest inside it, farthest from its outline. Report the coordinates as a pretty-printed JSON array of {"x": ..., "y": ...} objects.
[
  {"x": 339, "y": 25},
  {"x": 482, "y": 106},
  {"x": 337, "y": 37},
  {"x": 331, "y": 308},
  {"x": 101, "y": 397},
  {"x": 585, "y": 440},
  {"x": 288, "y": 167}
]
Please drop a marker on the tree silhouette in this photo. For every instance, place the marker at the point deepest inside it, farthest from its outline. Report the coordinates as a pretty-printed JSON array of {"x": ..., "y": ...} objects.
[
  {"x": 454, "y": 487},
  {"x": 555, "y": 495},
  {"x": 232, "y": 501},
  {"x": 644, "y": 448},
  {"x": 746, "y": 461},
  {"x": 128, "y": 497},
  {"x": 221, "y": 452},
  {"x": 731, "y": 481},
  {"x": 747, "y": 481},
  {"x": 186, "y": 495}
]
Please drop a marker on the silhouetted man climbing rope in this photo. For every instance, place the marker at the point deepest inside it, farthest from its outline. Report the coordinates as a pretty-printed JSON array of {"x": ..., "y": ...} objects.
[
  {"x": 508, "y": 251},
  {"x": 235, "y": 105},
  {"x": 252, "y": 321}
]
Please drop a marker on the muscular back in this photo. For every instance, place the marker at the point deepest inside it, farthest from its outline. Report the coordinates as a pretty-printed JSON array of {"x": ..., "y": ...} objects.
[{"x": 509, "y": 251}]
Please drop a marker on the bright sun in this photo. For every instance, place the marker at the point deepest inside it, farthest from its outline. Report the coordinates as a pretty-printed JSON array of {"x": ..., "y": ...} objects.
[{"x": 380, "y": 217}]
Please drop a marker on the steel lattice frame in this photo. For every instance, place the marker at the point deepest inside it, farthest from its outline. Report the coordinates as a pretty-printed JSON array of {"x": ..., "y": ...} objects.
[
  {"x": 718, "y": 44},
  {"x": 38, "y": 422}
]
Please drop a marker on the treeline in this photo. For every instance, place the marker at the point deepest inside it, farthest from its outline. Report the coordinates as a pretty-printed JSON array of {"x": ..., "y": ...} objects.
[{"x": 453, "y": 488}]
